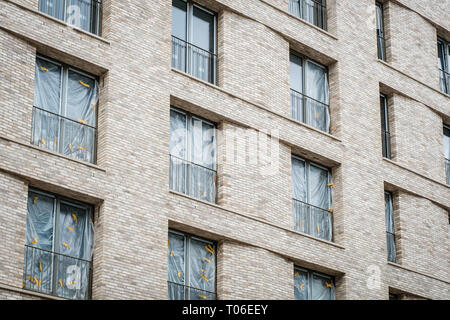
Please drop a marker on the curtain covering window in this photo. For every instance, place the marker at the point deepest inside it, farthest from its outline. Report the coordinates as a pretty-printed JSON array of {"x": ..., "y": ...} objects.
[
  {"x": 310, "y": 285},
  {"x": 390, "y": 230},
  {"x": 311, "y": 199},
  {"x": 447, "y": 152},
  {"x": 194, "y": 40},
  {"x": 84, "y": 14},
  {"x": 444, "y": 65},
  {"x": 313, "y": 11},
  {"x": 64, "y": 117},
  {"x": 191, "y": 273},
  {"x": 193, "y": 156},
  {"x": 65, "y": 233},
  {"x": 309, "y": 93}
]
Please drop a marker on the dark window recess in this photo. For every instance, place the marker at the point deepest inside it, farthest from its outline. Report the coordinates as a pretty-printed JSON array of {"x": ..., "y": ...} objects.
[
  {"x": 390, "y": 229},
  {"x": 444, "y": 65},
  {"x": 385, "y": 134}
]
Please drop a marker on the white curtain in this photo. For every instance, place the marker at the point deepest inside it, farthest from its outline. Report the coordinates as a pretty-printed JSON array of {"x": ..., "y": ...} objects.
[
  {"x": 202, "y": 270},
  {"x": 389, "y": 213},
  {"x": 301, "y": 285},
  {"x": 322, "y": 288},
  {"x": 54, "y": 8},
  {"x": 193, "y": 156},
  {"x": 317, "y": 88},
  {"x": 176, "y": 276},
  {"x": 69, "y": 259}
]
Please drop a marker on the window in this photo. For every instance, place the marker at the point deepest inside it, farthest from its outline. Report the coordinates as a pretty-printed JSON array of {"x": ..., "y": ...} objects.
[
  {"x": 84, "y": 14},
  {"x": 313, "y": 11},
  {"x": 65, "y": 110},
  {"x": 59, "y": 246},
  {"x": 192, "y": 156},
  {"x": 381, "y": 41},
  {"x": 309, "y": 92},
  {"x": 390, "y": 230},
  {"x": 393, "y": 296},
  {"x": 385, "y": 135},
  {"x": 447, "y": 152},
  {"x": 194, "y": 40},
  {"x": 310, "y": 285},
  {"x": 192, "y": 268},
  {"x": 444, "y": 65},
  {"x": 312, "y": 211}
]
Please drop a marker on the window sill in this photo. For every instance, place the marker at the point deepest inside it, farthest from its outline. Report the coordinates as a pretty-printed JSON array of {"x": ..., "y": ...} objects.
[
  {"x": 415, "y": 172},
  {"x": 257, "y": 219},
  {"x": 412, "y": 78},
  {"x": 256, "y": 105},
  {"x": 399, "y": 266},
  {"x": 31, "y": 146},
  {"x": 37, "y": 12},
  {"x": 29, "y": 292}
]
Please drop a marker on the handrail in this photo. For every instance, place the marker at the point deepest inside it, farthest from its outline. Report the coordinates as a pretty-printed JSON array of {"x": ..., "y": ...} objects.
[
  {"x": 193, "y": 45},
  {"x": 308, "y": 97},
  {"x": 65, "y": 118}
]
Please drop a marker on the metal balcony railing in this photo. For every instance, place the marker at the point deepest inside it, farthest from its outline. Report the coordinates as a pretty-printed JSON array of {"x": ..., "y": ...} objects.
[
  {"x": 310, "y": 111},
  {"x": 57, "y": 274},
  {"x": 193, "y": 179},
  {"x": 178, "y": 291},
  {"x": 194, "y": 60},
  {"x": 84, "y": 14},
  {"x": 445, "y": 81},
  {"x": 312, "y": 220},
  {"x": 74, "y": 138},
  {"x": 447, "y": 170},
  {"x": 386, "y": 142},
  {"x": 310, "y": 10}
]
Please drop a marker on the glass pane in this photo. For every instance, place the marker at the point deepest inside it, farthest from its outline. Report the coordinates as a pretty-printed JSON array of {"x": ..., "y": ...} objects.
[
  {"x": 299, "y": 179},
  {"x": 447, "y": 143},
  {"x": 80, "y": 13},
  {"x": 47, "y": 86},
  {"x": 379, "y": 13},
  {"x": 176, "y": 272},
  {"x": 46, "y": 128},
  {"x": 202, "y": 269},
  {"x": 75, "y": 237},
  {"x": 302, "y": 216},
  {"x": 322, "y": 288},
  {"x": 296, "y": 73},
  {"x": 295, "y": 7},
  {"x": 54, "y": 8},
  {"x": 38, "y": 264},
  {"x": 82, "y": 97},
  {"x": 301, "y": 285},
  {"x": 203, "y": 29},
  {"x": 178, "y": 134},
  {"x": 318, "y": 186},
  {"x": 179, "y": 9}
]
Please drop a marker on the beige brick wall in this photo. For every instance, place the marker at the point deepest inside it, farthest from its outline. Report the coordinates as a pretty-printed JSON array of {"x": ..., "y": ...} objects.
[
  {"x": 252, "y": 220},
  {"x": 417, "y": 144}
]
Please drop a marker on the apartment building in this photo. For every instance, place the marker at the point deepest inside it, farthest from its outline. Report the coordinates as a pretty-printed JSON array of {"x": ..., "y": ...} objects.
[{"x": 211, "y": 149}]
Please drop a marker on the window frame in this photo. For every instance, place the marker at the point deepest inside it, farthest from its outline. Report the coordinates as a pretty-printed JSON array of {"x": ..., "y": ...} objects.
[
  {"x": 62, "y": 113},
  {"x": 188, "y": 146},
  {"x": 382, "y": 34},
  {"x": 187, "y": 270},
  {"x": 311, "y": 274},
  {"x": 190, "y": 5},
  {"x": 324, "y": 13},
  {"x": 57, "y": 200},
  {"x": 385, "y": 127},
  {"x": 95, "y": 30},
  {"x": 305, "y": 111},
  {"x": 446, "y": 63},
  {"x": 393, "y": 233},
  {"x": 446, "y": 133},
  {"x": 307, "y": 201}
]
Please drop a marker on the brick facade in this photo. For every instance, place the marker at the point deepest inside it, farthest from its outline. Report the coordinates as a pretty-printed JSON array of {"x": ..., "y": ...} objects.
[{"x": 252, "y": 220}]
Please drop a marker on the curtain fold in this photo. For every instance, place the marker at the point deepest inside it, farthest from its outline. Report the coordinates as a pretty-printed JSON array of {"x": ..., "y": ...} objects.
[
  {"x": 301, "y": 285},
  {"x": 176, "y": 257},
  {"x": 202, "y": 270},
  {"x": 318, "y": 96},
  {"x": 322, "y": 288}
]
